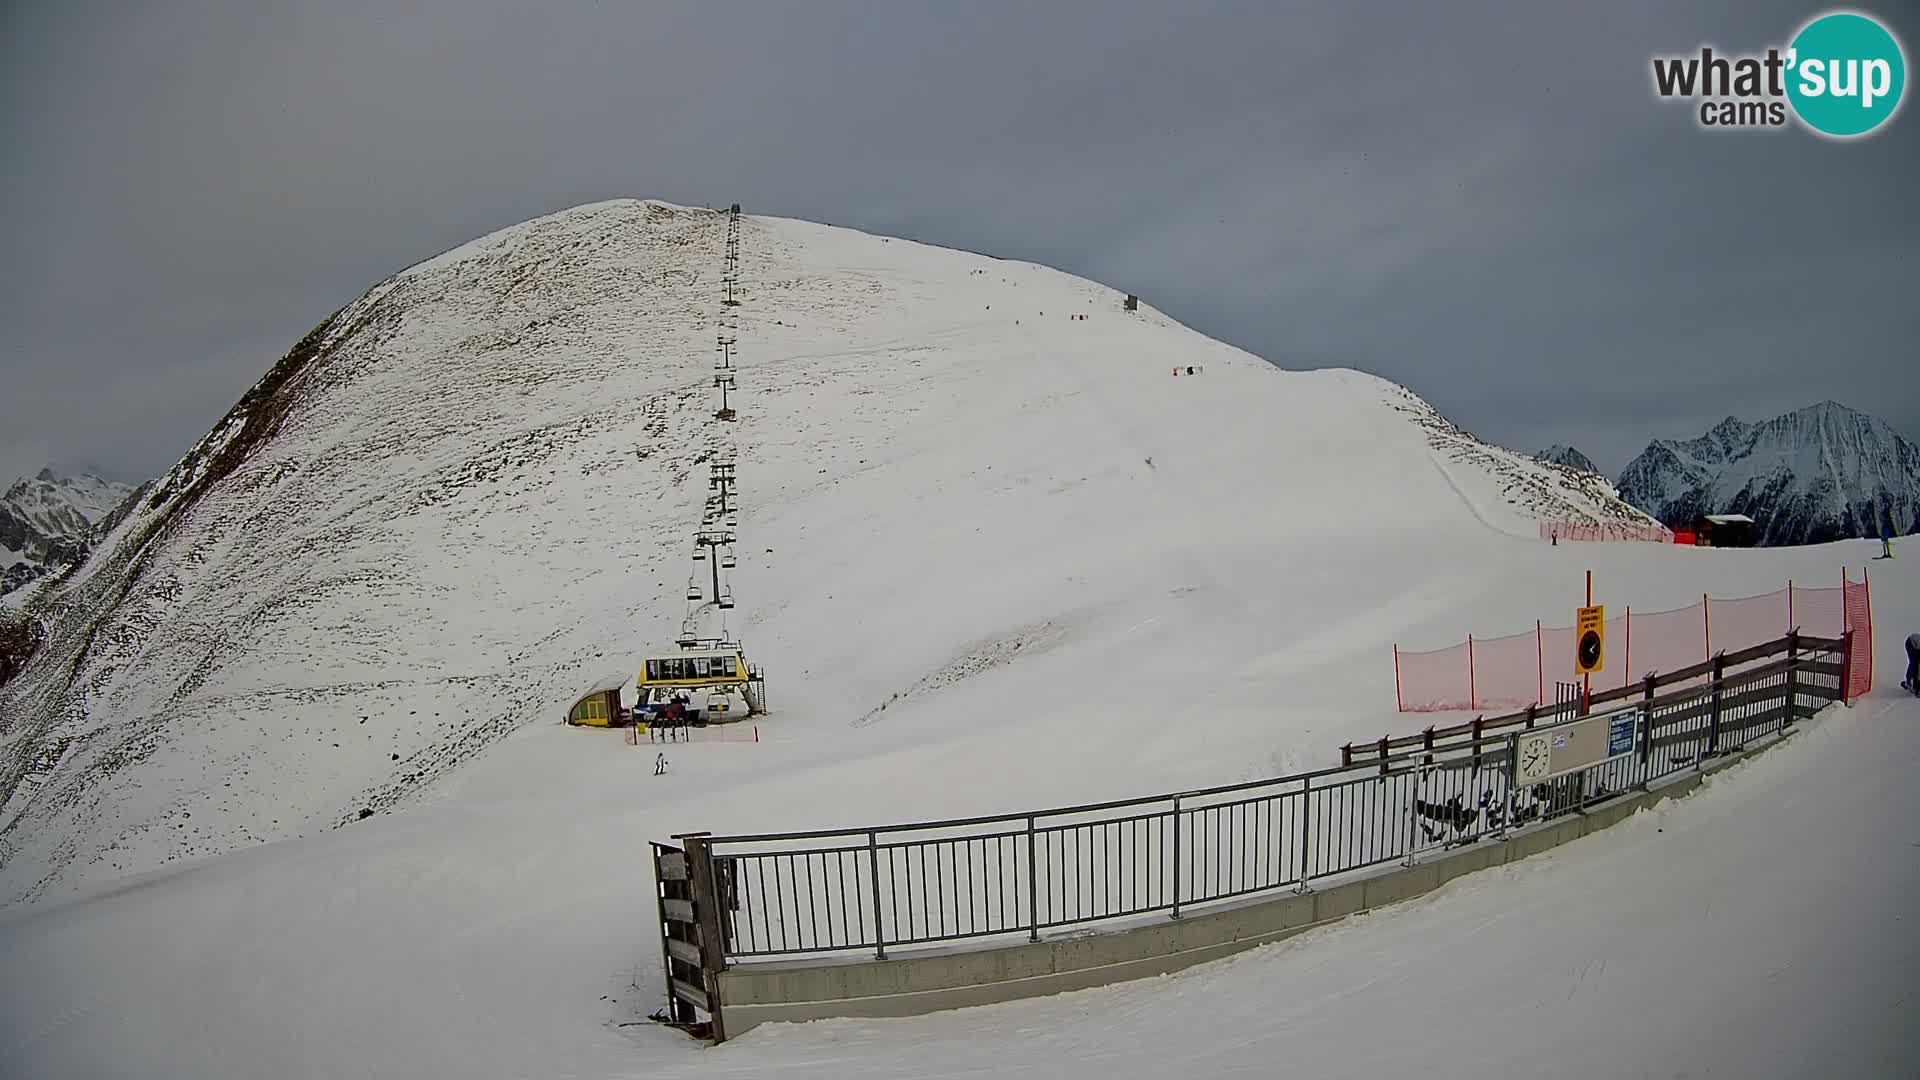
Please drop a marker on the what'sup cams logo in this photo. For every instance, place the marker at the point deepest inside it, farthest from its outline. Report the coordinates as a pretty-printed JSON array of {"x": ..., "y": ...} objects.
[{"x": 1842, "y": 76}]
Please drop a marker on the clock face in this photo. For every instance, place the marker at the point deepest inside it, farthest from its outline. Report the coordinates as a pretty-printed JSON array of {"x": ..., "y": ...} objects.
[{"x": 1534, "y": 757}]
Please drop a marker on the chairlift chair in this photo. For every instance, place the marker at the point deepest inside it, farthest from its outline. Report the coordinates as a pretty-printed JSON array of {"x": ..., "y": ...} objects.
[
  {"x": 726, "y": 600},
  {"x": 727, "y": 561},
  {"x": 699, "y": 552},
  {"x": 693, "y": 592}
]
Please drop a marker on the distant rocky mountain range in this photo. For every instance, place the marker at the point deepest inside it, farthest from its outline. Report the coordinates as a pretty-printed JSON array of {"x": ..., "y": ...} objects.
[
  {"x": 1818, "y": 474},
  {"x": 48, "y": 521}
]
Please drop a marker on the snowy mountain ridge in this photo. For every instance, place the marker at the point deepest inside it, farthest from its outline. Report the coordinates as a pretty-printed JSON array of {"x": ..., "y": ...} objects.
[
  {"x": 1825, "y": 472},
  {"x": 467, "y": 494},
  {"x": 47, "y": 521},
  {"x": 1568, "y": 456}
]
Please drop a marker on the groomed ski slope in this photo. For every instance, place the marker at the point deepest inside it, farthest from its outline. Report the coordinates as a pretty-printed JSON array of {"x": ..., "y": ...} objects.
[{"x": 935, "y": 487}]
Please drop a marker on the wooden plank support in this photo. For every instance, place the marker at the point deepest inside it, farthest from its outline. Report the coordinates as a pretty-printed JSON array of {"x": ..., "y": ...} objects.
[{"x": 691, "y": 994}]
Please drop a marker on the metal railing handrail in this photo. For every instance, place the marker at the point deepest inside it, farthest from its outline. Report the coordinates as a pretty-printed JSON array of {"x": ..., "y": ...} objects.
[
  {"x": 1416, "y": 746},
  {"x": 1355, "y": 752},
  {"x": 1024, "y": 872}
]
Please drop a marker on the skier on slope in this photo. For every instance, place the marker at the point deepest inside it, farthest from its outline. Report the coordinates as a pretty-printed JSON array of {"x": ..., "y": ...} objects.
[{"x": 1912, "y": 681}]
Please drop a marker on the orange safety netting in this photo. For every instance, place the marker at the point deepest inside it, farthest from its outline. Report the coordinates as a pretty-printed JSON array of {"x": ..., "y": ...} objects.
[{"x": 1521, "y": 669}]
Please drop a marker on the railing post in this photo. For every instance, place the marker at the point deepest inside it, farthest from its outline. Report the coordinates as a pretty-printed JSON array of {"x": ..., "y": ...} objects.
[
  {"x": 1176, "y": 856},
  {"x": 1513, "y": 778},
  {"x": 1346, "y": 756},
  {"x": 1646, "y": 732},
  {"x": 1306, "y": 801},
  {"x": 1383, "y": 755},
  {"x": 1793, "y": 679},
  {"x": 1033, "y": 884},
  {"x": 873, "y": 865},
  {"x": 1479, "y": 724},
  {"x": 706, "y": 912},
  {"x": 1413, "y": 817},
  {"x": 1846, "y": 660},
  {"x": 1713, "y": 714}
]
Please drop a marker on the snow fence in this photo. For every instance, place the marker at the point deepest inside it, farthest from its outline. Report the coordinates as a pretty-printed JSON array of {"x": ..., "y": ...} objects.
[{"x": 1521, "y": 669}]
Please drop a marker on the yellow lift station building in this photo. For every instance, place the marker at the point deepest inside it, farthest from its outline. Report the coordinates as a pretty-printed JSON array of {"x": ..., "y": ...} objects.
[{"x": 600, "y": 706}]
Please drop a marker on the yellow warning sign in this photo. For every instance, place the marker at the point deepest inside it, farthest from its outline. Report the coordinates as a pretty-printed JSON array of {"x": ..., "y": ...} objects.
[{"x": 1590, "y": 637}]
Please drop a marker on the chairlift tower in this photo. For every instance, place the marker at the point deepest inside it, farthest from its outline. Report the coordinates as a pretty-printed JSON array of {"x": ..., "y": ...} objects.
[
  {"x": 717, "y": 538},
  {"x": 722, "y": 481}
]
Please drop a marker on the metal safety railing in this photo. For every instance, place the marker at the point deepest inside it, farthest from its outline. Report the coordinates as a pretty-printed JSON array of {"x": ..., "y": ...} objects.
[{"x": 886, "y": 887}]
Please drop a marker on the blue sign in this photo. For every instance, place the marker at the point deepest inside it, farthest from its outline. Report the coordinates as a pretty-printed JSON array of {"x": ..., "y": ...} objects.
[{"x": 1620, "y": 735}]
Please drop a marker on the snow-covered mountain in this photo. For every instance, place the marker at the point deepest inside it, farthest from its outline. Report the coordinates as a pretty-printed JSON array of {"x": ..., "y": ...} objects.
[
  {"x": 470, "y": 492},
  {"x": 1568, "y": 456},
  {"x": 1825, "y": 472},
  {"x": 993, "y": 555},
  {"x": 47, "y": 521}
]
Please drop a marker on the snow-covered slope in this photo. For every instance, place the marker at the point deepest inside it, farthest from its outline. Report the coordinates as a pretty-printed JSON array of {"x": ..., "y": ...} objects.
[
  {"x": 501, "y": 930},
  {"x": 1568, "y": 456},
  {"x": 1540, "y": 490},
  {"x": 464, "y": 496},
  {"x": 46, "y": 521},
  {"x": 1825, "y": 472},
  {"x": 1066, "y": 573}
]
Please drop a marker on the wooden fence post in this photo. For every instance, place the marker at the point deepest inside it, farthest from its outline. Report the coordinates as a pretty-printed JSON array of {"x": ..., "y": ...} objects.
[{"x": 706, "y": 910}]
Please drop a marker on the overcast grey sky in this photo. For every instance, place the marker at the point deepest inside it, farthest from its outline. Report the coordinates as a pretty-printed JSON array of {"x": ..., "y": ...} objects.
[{"x": 1483, "y": 201}]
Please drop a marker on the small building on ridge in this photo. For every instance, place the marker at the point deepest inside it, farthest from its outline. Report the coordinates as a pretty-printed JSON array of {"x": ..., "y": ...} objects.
[{"x": 1723, "y": 530}]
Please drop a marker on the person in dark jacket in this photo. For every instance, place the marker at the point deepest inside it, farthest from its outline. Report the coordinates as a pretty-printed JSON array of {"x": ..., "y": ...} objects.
[{"x": 1912, "y": 682}]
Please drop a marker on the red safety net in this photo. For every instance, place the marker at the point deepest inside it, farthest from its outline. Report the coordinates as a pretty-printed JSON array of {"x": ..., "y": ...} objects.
[
  {"x": 1428, "y": 681},
  {"x": 1820, "y": 612},
  {"x": 1746, "y": 621},
  {"x": 1859, "y": 620},
  {"x": 1521, "y": 669},
  {"x": 1506, "y": 672},
  {"x": 1605, "y": 533}
]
